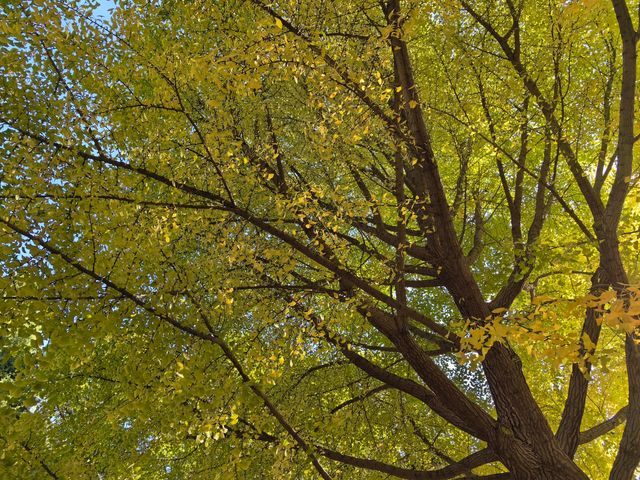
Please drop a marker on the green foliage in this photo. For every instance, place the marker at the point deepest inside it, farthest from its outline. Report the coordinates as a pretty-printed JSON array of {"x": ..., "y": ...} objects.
[{"x": 247, "y": 240}]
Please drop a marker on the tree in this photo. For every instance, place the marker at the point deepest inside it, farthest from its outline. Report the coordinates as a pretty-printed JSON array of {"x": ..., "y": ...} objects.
[{"x": 334, "y": 239}]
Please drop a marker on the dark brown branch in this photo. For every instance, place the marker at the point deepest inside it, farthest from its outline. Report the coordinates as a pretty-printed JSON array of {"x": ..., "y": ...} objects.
[
  {"x": 359, "y": 398},
  {"x": 287, "y": 238},
  {"x": 210, "y": 337},
  {"x": 547, "y": 108},
  {"x": 42, "y": 463},
  {"x": 444, "y": 473},
  {"x": 597, "y": 431}
]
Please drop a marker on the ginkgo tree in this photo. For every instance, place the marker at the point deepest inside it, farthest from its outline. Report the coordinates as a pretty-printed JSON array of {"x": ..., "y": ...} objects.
[{"x": 319, "y": 239}]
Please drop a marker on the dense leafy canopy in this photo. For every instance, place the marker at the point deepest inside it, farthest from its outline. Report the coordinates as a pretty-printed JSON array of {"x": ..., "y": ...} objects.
[{"x": 324, "y": 238}]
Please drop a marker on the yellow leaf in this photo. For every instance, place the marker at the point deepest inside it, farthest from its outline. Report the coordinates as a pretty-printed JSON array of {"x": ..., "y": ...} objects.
[
  {"x": 279, "y": 23},
  {"x": 542, "y": 299},
  {"x": 254, "y": 84},
  {"x": 607, "y": 296},
  {"x": 500, "y": 330}
]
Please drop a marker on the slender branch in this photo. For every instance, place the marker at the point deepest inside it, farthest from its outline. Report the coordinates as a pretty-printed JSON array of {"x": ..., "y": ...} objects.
[
  {"x": 287, "y": 238},
  {"x": 42, "y": 463},
  {"x": 212, "y": 336},
  {"x": 597, "y": 431},
  {"x": 359, "y": 398}
]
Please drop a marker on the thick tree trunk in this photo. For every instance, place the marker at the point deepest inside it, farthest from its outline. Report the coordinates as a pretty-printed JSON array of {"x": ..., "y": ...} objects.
[{"x": 524, "y": 441}]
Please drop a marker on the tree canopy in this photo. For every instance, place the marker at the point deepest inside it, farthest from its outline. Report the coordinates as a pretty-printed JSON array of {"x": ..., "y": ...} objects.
[{"x": 245, "y": 239}]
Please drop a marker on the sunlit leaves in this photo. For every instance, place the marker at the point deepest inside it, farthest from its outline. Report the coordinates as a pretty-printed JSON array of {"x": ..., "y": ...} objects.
[{"x": 225, "y": 169}]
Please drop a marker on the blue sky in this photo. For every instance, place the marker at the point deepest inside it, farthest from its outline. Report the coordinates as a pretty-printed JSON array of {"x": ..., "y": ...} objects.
[{"x": 103, "y": 8}]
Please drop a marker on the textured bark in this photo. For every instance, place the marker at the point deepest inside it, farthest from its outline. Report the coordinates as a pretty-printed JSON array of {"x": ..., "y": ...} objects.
[
  {"x": 520, "y": 436},
  {"x": 628, "y": 455},
  {"x": 569, "y": 428}
]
